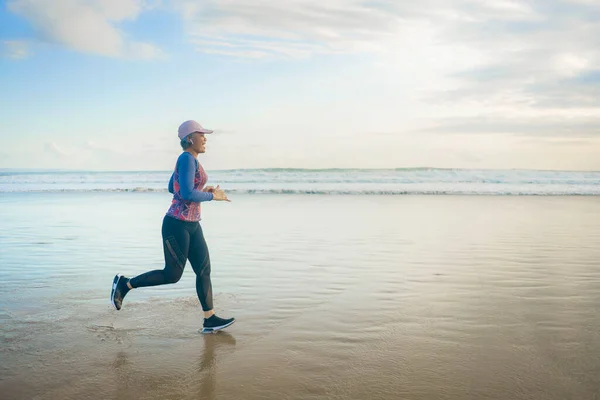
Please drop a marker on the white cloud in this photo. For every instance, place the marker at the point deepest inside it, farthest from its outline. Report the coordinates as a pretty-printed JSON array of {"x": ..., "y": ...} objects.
[
  {"x": 547, "y": 59},
  {"x": 452, "y": 62},
  {"x": 292, "y": 29},
  {"x": 517, "y": 67},
  {"x": 16, "y": 49},
  {"x": 88, "y": 26},
  {"x": 497, "y": 46},
  {"x": 333, "y": 25}
]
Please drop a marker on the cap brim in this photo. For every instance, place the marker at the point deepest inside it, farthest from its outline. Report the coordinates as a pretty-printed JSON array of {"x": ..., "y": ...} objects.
[{"x": 205, "y": 131}]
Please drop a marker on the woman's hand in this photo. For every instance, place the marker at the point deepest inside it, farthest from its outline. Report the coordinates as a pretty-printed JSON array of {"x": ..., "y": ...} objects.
[
  {"x": 208, "y": 189},
  {"x": 219, "y": 194}
]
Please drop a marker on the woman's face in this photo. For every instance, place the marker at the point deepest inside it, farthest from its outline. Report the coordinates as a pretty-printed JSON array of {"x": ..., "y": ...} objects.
[{"x": 198, "y": 142}]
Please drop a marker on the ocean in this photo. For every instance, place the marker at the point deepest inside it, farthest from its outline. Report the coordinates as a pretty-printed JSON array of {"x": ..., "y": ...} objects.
[
  {"x": 346, "y": 284},
  {"x": 430, "y": 181}
]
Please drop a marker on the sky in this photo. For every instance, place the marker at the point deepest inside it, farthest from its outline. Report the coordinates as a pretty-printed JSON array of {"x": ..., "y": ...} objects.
[{"x": 104, "y": 84}]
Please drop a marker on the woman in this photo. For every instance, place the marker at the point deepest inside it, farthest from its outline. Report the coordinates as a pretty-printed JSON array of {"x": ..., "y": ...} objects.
[{"x": 181, "y": 231}]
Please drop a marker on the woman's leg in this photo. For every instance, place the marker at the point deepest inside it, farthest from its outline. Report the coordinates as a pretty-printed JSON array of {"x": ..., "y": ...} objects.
[
  {"x": 200, "y": 261},
  {"x": 176, "y": 244}
]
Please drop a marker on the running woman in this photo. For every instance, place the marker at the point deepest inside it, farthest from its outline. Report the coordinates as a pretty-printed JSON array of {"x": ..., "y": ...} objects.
[{"x": 182, "y": 235}]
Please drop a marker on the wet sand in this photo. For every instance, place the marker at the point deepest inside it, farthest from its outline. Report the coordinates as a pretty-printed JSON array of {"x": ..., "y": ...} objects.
[{"x": 336, "y": 297}]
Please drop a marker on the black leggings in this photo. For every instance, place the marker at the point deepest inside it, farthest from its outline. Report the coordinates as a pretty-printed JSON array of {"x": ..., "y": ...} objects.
[{"x": 182, "y": 240}]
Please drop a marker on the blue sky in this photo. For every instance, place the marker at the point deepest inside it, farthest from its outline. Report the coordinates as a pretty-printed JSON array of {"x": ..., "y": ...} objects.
[{"x": 103, "y": 84}]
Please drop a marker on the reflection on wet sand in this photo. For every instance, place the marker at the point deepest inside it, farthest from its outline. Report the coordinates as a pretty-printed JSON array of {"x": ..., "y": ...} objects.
[
  {"x": 208, "y": 362},
  {"x": 177, "y": 375}
]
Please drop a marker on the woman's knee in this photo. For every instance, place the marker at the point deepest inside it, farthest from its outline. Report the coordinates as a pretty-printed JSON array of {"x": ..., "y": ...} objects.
[
  {"x": 172, "y": 275},
  {"x": 206, "y": 269}
]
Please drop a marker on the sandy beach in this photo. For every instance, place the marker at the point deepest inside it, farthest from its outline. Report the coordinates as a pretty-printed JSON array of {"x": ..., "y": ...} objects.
[{"x": 336, "y": 297}]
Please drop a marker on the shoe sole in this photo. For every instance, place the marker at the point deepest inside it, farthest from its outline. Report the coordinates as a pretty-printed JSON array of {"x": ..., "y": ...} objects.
[
  {"x": 112, "y": 292},
  {"x": 216, "y": 328}
]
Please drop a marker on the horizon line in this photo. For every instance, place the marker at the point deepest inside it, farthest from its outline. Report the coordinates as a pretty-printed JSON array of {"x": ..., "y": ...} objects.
[{"x": 294, "y": 169}]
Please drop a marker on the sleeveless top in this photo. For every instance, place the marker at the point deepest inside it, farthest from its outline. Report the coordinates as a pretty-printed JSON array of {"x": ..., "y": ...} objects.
[{"x": 186, "y": 210}]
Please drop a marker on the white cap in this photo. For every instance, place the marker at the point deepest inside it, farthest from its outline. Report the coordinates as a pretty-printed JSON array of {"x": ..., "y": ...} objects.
[{"x": 189, "y": 127}]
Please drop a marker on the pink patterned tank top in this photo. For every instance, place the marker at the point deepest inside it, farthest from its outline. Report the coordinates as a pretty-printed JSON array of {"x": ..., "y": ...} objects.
[{"x": 184, "y": 209}]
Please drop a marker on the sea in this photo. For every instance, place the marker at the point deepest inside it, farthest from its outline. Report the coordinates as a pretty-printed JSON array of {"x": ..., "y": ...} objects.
[
  {"x": 413, "y": 284},
  {"x": 399, "y": 181}
]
